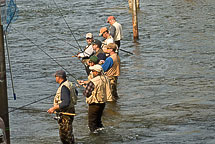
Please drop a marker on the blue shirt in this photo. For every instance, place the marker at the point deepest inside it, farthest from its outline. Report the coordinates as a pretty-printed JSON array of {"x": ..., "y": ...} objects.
[{"x": 108, "y": 64}]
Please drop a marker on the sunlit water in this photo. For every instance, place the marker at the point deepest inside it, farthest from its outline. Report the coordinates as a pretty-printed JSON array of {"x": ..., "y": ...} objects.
[{"x": 166, "y": 88}]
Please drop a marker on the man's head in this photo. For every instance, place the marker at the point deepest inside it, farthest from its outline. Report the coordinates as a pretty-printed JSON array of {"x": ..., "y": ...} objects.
[
  {"x": 111, "y": 20},
  {"x": 89, "y": 38},
  {"x": 110, "y": 48},
  {"x": 60, "y": 75},
  {"x": 96, "y": 69},
  {"x": 104, "y": 32},
  {"x": 96, "y": 44},
  {"x": 93, "y": 60}
]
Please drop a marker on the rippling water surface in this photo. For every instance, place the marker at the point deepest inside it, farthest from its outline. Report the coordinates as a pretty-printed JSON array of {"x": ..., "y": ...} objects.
[{"x": 166, "y": 88}]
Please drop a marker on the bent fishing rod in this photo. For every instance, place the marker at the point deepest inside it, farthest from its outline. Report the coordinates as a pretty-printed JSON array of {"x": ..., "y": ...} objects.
[
  {"x": 67, "y": 25},
  {"x": 46, "y": 54},
  {"x": 61, "y": 40},
  {"x": 66, "y": 43},
  {"x": 21, "y": 107}
]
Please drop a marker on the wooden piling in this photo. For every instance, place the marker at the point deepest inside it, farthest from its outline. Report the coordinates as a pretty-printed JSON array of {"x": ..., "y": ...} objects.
[
  {"x": 130, "y": 4},
  {"x": 3, "y": 87},
  {"x": 135, "y": 20}
]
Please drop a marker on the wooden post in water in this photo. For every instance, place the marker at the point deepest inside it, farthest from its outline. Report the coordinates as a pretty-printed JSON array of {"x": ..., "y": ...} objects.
[
  {"x": 3, "y": 86},
  {"x": 134, "y": 20},
  {"x": 130, "y": 4}
]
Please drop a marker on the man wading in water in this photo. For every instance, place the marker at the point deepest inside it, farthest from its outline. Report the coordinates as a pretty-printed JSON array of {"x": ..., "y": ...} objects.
[
  {"x": 64, "y": 101},
  {"x": 111, "y": 67},
  {"x": 96, "y": 97},
  {"x": 88, "y": 51}
]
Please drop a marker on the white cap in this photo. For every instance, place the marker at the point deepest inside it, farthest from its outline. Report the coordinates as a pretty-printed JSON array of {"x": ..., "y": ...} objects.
[
  {"x": 97, "y": 68},
  {"x": 89, "y": 35}
]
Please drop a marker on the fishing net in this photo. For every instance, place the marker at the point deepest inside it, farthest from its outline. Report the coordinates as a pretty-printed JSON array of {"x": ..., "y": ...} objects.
[{"x": 9, "y": 12}]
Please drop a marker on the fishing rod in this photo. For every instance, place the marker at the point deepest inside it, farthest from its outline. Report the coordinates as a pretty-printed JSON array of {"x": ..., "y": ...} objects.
[
  {"x": 66, "y": 43},
  {"x": 6, "y": 44},
  {"x": 74, "y": 55},
  {"x": 11, "y": 74},
  {"x": 62, "y": 40},
  {"x": 46, "y": 54},
  {"x": 126, "y": 51},
  {"x": 65, "y": 113},
  {"x": 21, "y": 107},
  {"x": 67, "y": 25}
]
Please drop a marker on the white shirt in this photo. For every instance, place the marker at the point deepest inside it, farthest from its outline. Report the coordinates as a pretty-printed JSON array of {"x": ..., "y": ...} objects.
[
  {"x": 118, "y": 34},
  {"x": 87, "y": 52}
]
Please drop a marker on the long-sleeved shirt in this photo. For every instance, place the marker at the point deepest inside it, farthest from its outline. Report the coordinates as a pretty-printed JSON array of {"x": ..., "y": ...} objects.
[
  {"x": 108, "y": 64},
  {"x": 89, "y": 89},
  {"x": 87, "y": 52},
  {"x": 65, "y": 97},
  {"x": 112, "y": 30}
]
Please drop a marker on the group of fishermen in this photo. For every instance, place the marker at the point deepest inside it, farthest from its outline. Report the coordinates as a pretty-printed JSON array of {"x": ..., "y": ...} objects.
[{"x": 102, "y": 65}]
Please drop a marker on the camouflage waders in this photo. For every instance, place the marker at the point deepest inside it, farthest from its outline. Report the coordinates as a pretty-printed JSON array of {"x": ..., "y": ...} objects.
[{"x": 66, "y": 130}]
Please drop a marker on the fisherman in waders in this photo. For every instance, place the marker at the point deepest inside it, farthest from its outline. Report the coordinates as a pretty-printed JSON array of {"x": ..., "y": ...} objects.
[
  {"x": 96, "y": 97},
  {"x": 111, "y": 67},
  {"x": 88, "y": 51},
  {"x": 93, "y": 61},
  {"x": 115, "y": 30},
  {"x": 64, "y": 101}
]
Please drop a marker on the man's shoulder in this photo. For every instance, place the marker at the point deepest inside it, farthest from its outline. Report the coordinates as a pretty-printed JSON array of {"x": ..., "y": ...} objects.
[{"x": 89, "y": 46}]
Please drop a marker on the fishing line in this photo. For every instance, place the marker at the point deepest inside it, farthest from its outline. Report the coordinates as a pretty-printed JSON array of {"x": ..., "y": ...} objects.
[
  {"x": 67, "y": 25},
  {"x": 46, "y": 54}
]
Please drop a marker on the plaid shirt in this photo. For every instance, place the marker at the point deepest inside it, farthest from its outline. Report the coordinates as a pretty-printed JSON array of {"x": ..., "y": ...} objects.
[{"x": 89, "y": 89}]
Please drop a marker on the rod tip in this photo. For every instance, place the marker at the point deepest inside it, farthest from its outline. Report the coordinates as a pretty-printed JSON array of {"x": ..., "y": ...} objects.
[{"x": 14, "y": 96}]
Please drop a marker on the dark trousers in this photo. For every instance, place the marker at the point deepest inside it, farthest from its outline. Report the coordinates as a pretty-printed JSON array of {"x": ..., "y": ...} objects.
[
  {"x": 117, "y": 43},
  {"x": 94, "y": 116}
]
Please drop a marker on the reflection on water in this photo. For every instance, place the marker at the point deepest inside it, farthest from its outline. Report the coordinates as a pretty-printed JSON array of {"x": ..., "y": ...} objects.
[{"x": 166, "y": 88}]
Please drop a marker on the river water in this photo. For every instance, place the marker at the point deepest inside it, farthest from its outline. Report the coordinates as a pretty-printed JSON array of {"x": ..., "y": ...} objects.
[{"x": 166, "y": 88}]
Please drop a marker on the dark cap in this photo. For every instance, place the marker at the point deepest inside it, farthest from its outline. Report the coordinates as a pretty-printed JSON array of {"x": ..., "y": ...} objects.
[
  {"x": 97, "y": 42},
  {"x": 94, "y": 59},
  {"x": 60, "y": 73}
]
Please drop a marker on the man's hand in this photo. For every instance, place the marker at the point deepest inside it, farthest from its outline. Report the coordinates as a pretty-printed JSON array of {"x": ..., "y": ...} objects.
[
  {"x": 80, "y": 82},
  {"x": 51, "y": 110}
]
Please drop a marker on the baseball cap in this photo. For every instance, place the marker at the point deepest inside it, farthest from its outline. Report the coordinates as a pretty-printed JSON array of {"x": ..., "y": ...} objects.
[
  {"x": 110, "y": 18},
  {"x": 97, "y": 68},
  {"x": 89, "y": 35},
  {"x": 97, "y": 42},
  {"x": 102, "y": 30},
  {"x": 94, "y": 59},
  {"x": 60, "y": 73}
]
